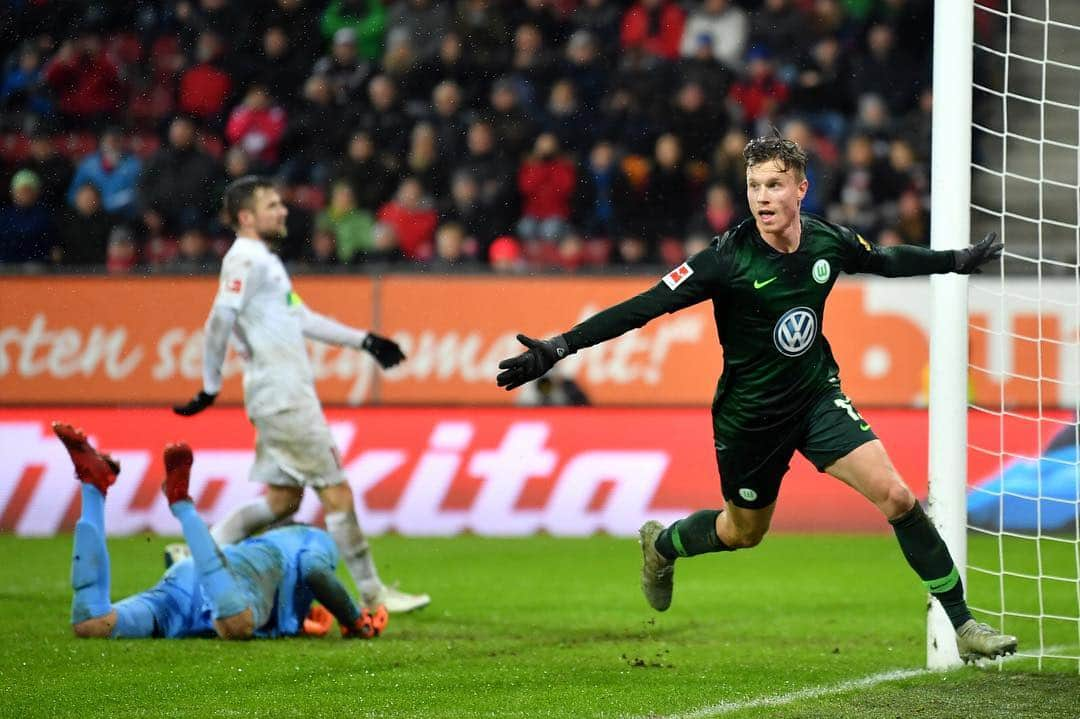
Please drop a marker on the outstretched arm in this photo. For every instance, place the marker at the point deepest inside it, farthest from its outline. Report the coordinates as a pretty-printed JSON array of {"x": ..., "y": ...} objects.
[
  {"x": 912, "y": 261},
  {"x": 542, "y": 355},
  {"x": 326, "y": 329},
  {"x": 321, "y": 328},
  {"x": 691, "y": 282},
  {"x": 628, "y": 315}
]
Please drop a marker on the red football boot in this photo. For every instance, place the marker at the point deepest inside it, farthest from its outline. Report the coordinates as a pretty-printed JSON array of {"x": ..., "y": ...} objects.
[
  {"x": 368, "y": 625},
  {"x": 91, "y": 466},
  {"x": 178, "y": 459},
  {"x": 318, "y": 621}
]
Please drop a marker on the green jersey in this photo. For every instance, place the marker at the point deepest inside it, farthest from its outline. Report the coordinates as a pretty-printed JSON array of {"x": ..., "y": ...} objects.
[{"x": 769, "y": 307}]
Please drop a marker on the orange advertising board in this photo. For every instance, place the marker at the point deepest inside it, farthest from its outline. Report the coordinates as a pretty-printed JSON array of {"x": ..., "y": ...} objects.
[
  {"x": 97, "y": 340},
  {"x": 457, "y": 330}
]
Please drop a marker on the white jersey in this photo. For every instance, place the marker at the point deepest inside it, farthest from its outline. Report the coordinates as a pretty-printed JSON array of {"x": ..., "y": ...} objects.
[{"x": 269, "y": 328}]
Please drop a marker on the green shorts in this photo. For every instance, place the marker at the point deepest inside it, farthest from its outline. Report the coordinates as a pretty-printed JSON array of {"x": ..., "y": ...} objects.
[{"x": 752, "y": 464}]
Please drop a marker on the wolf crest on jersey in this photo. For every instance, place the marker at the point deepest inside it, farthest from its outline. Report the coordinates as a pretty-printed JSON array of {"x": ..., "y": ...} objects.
[{"x": 678, "y": 275}]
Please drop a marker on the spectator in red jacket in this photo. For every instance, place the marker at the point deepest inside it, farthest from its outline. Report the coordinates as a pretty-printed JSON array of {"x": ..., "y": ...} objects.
[
  {"x": 85, "y": 80},
  {"x": 257, "y": 125},
  {"x": 656, "y": 26},
  {"x": 413, "y": 217},
  {"x": 205, "y": 87},
  {"x": 546, "y": 181},
  {"x": 760, "y": 93}
]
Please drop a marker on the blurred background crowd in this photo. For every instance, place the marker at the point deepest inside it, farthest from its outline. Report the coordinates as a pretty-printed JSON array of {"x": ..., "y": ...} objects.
[{"x": 505, "y": 135}]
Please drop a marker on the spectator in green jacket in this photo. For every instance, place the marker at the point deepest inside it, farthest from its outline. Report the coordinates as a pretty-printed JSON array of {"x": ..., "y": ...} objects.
[
  {"x": 353, "y": 227},
  {"x": 366, "y": 17}
]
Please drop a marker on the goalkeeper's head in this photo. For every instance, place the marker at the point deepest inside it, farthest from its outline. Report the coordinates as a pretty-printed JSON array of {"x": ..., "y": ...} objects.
[{"x": 254, "y": 208}]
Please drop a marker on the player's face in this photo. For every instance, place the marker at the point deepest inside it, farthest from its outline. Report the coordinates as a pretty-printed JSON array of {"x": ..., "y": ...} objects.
[
  {"x": 269, "y": 215},
  {"x": 774, "y": 196}
]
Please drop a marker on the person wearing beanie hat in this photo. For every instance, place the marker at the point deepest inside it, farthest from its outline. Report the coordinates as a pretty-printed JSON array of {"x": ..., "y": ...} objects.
[
  {"x": 25, "y": 224},
  {"x": 505, "y": 254},
  {"x": 25, "y": 179}
]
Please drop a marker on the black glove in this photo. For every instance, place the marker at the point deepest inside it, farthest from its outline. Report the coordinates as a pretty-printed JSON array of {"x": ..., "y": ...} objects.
[
  {"x": 533, "y": 363},
  {"x": 386, "y": 352},
  {"x": 198, "y": 403},
  {"x": 970, "y": 260}
]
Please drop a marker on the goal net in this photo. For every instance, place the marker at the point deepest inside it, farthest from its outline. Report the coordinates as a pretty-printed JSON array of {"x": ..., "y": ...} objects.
[{"x": 1023, "y": 378}]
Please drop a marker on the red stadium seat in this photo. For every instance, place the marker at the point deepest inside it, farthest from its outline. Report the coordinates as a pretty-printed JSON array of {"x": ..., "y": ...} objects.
[
  {"x": 76, "y": 145},
  {"x": 166, "y": 60},
  {"x": 125, "y": 49},
  {"x": 165, "y": 45},
  {"x": 671, "y": 251},
  {"x": 827, "y": 150},
  {"x": 213, "y": 144},
  {"x": 541, "y": 254},
  {"x": 14, "y": 147},
  {"x": 597, "y": 250},
  {"x": 309, "y": 197},
  {"x": 152, "y": 103},
  {"x": 159, "y": 250},
  {"x": 144, "y": 144}
]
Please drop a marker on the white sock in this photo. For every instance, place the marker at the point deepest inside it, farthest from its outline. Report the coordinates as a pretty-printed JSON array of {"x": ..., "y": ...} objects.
[
  {"x": 243, "y": 521},
  {"x": 355, "y": 550}
]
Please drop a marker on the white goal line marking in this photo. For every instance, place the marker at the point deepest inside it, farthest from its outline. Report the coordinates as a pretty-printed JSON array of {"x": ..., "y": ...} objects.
[
  {"x": 866, "y": 682},
  {"x": 773, "y": 700}
]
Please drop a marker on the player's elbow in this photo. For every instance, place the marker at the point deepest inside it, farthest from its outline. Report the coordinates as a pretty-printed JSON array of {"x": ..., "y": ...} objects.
[
  {"x": 236, "y": 627},
  {"x": 221, "y": 320}
]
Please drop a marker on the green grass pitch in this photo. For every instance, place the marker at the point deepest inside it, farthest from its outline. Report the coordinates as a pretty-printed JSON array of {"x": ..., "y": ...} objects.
[{"x": 536, "y": 627}]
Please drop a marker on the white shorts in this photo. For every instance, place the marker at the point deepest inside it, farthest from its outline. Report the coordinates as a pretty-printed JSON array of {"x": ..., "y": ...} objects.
[{"x": 294, "y": 449}]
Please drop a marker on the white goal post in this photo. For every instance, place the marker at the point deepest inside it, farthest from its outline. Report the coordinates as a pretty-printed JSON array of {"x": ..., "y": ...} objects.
[
  {"x": 1009, "y": 412},
  {"x": 950, "y": 228}
]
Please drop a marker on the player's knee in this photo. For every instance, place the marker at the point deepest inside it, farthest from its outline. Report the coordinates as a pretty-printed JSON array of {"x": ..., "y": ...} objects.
[
  {"x": 752, "y": 539},
  {"x": 337, "y": 497},
  {"x": 283, "y": 501},
  {"x": 290, "y": 508},
  {"x": 747, "y": 538},
  {"x": 898, "y": 499}
]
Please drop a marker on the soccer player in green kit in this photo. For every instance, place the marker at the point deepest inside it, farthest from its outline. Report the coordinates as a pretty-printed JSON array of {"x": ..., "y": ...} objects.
[{"x": 768, "y": 279}]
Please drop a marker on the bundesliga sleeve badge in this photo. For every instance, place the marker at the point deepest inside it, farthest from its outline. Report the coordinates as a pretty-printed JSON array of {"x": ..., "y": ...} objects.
[{"x": 678, "y": 275}]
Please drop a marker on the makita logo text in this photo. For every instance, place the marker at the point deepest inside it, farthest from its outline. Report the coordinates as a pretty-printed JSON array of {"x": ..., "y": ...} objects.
[{"x": 446, "y": 483}]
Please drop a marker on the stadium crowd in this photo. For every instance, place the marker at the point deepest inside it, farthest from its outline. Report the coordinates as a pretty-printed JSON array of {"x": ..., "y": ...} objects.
[{"x": 454, "y": 134}]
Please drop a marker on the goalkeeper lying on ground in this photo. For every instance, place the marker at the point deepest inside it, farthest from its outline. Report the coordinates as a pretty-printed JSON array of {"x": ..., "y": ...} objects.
[{"x": 261, "y": 587}]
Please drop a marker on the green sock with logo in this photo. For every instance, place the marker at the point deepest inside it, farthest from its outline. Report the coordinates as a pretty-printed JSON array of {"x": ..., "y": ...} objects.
[
  {"x": 927, "y": 554},
  {"x": 691, "y": 535}
]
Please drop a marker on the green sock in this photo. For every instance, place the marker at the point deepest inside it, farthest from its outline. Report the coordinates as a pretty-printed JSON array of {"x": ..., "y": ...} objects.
[
  {"x": 927, "y": 554},
  {"x": 691, "y": 535}
]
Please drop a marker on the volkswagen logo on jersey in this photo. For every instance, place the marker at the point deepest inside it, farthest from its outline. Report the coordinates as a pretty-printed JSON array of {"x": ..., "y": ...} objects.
[{"x": 795, "y": 331}]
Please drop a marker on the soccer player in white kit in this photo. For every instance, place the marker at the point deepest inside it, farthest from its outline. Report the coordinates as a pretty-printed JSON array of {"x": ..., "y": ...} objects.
[{"x": 257, "y": 308}]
